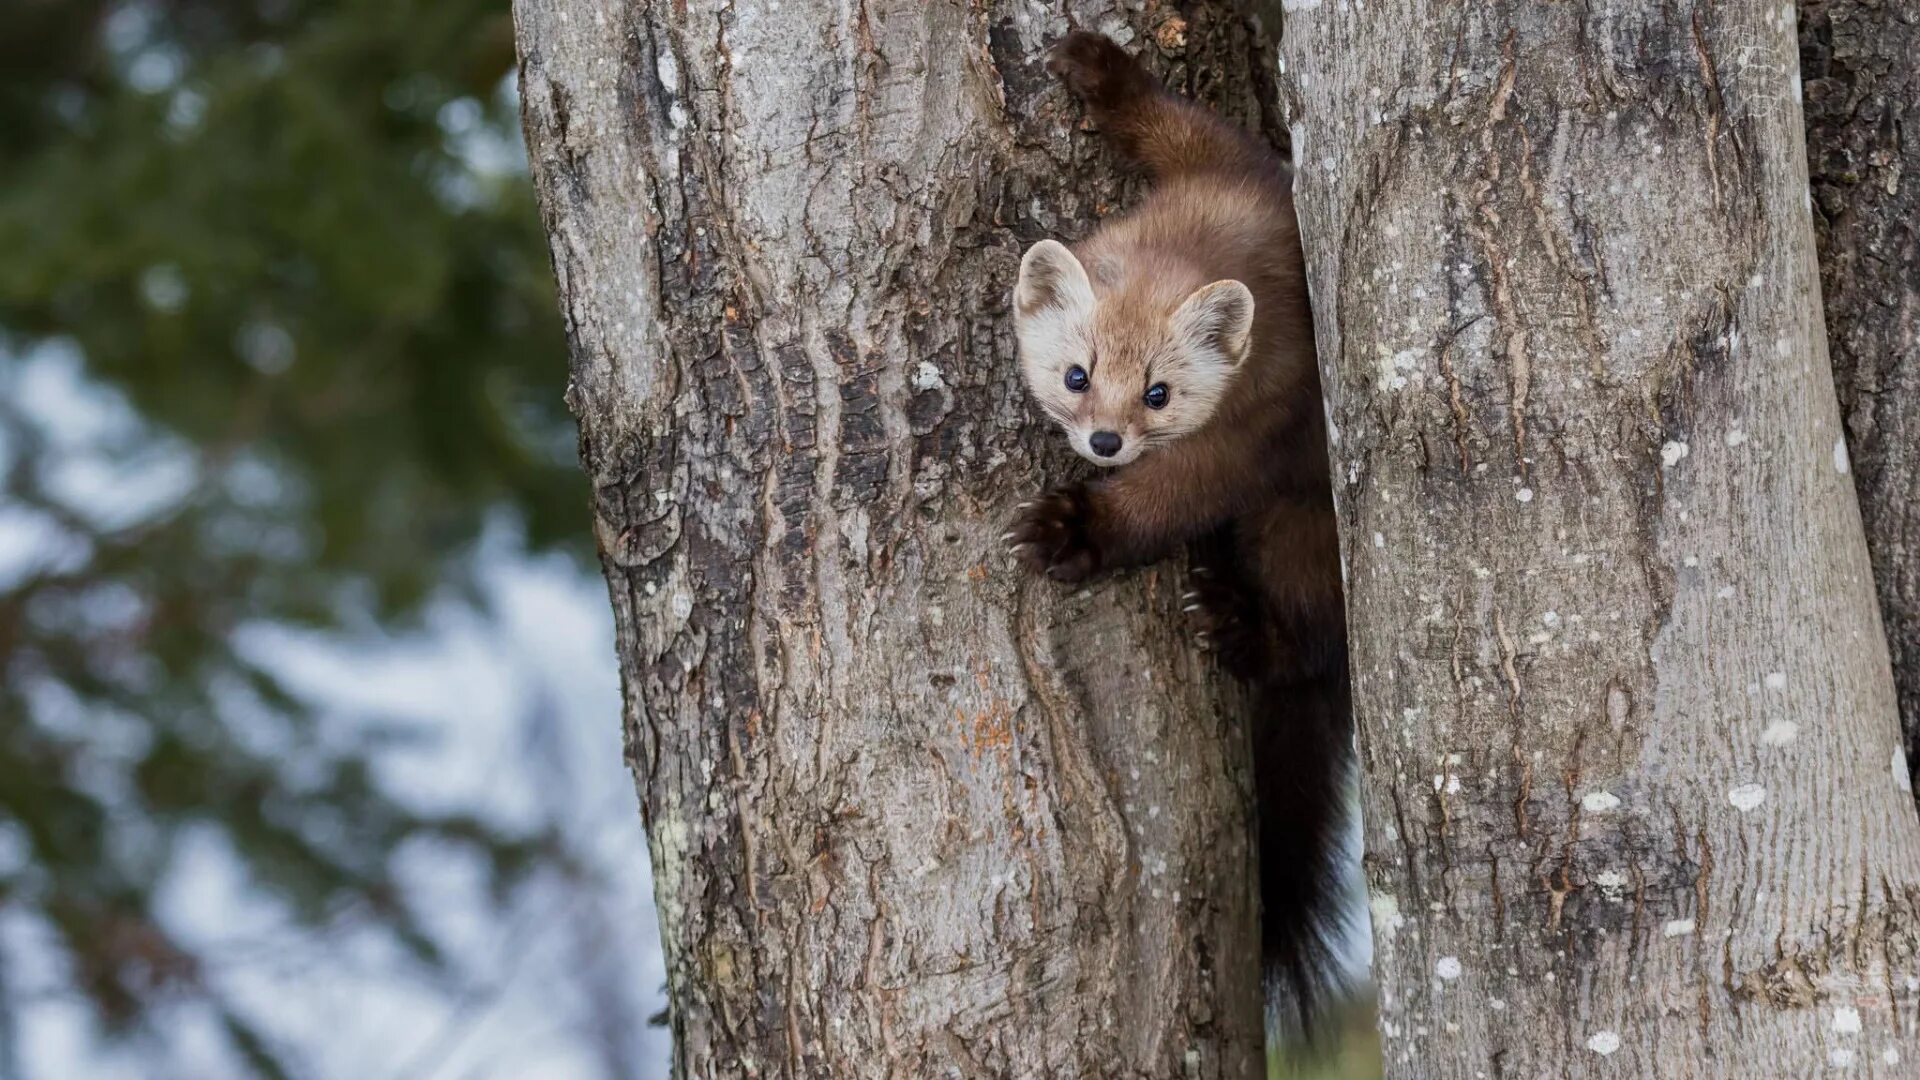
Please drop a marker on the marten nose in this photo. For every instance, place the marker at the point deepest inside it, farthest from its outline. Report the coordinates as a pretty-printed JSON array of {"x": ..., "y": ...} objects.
[{"x": 1104, "y": 443}]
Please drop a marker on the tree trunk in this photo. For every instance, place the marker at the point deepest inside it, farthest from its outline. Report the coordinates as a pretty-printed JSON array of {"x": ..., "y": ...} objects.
[
  {"x": 1861, "y": 62},
  {"x": 1635, "y": 804},
  {"x": 911, "y": 814}
]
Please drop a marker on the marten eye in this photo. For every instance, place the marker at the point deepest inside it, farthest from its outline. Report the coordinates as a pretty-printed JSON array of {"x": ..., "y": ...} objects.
[
  {"x": 1157, "y": 396},
  {"x": 1077, "y": 379}
]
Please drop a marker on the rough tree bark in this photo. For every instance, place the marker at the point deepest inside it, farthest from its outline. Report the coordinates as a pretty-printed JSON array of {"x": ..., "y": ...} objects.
[
  {"x": 1635, "y": 804},
  {"x": 911, "y": 814},
  {"x": 1861, "y": 63}
]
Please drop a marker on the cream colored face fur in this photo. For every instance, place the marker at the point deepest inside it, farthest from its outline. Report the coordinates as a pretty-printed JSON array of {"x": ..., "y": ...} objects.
[{"x": 1126, "y": 344}]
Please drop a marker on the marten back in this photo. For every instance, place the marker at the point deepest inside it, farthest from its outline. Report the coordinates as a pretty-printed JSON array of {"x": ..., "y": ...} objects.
[{"x": 1169, "y": 135}]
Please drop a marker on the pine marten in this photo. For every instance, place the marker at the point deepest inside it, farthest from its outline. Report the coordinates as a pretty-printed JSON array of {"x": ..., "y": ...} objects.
[{"x": 1175, "y": 347}]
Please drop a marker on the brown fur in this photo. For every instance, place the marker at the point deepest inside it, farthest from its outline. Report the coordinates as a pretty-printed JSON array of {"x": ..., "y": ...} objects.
[{"x": 1248, "y": 485}]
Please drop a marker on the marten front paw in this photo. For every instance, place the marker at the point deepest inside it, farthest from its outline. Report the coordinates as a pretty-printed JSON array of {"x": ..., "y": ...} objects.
[
  {"x": 1050, "y": 536},
  {"x": 1096, "y": 70}
]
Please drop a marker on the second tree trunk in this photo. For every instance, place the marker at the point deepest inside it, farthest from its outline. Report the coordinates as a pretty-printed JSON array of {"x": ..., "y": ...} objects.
[{"x": 1635, "y": 801}]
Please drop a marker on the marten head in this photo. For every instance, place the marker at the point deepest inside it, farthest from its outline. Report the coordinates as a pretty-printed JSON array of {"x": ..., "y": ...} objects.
[{"x": 1132, "y": 365}]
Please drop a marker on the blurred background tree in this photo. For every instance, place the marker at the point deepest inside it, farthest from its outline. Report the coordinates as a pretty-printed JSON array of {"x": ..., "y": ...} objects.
[{"x": 278, "y": 348}]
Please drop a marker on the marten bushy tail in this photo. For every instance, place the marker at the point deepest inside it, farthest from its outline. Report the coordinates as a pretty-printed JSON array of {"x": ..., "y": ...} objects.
[
  {"x": 1295, "y": 663},
  {"x": 1301, "y": 761},
  {"x": 1168, "y": 134}
]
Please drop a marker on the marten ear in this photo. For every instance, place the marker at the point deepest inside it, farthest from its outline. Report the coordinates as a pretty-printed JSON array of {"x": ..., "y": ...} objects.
[
  {"x": 1051, "y": 279},
  {"x": 1217, "y": 318}
]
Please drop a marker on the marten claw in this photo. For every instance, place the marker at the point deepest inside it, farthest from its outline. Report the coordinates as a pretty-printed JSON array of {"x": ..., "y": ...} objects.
[
  {"x": 1050, "y": 537},
  {"x": 1227, "y": 622}
]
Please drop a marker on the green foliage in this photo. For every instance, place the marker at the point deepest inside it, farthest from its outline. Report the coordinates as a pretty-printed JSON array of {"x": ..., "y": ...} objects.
[{"x": 294, "y": 242}]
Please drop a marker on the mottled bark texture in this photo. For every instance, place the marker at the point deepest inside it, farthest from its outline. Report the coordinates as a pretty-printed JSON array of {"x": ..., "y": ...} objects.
[
  {"x": 1860, "y": 60},
  {"x": 1635, "y": 802},
  {"x": 912, "y": 813}
]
